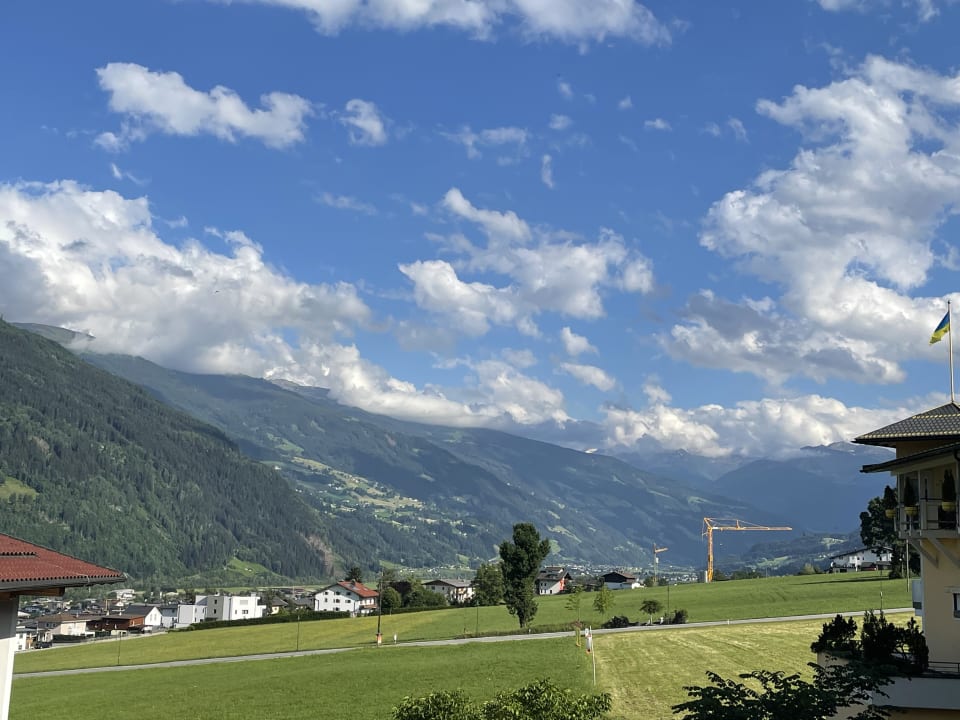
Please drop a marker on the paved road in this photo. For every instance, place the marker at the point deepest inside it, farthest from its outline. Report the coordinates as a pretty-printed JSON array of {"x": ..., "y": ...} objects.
[{"x": 434, "y": 643}]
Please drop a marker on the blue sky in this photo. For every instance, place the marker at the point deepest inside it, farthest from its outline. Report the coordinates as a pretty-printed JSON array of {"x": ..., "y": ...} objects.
[{"x": 722, "y": 227}]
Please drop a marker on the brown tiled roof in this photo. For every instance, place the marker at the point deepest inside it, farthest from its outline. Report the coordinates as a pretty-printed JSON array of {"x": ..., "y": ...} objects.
[
  {"x": 25, "y": 567},
  {"x": 942, "y": 423},
  {"x": 358, "y": 588}
]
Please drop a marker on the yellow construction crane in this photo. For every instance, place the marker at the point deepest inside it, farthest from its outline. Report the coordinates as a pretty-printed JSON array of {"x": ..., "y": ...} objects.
[
  {"x": 656, "y": 561},
  {"x": 711, "y": 524}
]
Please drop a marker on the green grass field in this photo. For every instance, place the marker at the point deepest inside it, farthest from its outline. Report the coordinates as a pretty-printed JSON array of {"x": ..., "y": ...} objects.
[{"x": 645, "y": 672}]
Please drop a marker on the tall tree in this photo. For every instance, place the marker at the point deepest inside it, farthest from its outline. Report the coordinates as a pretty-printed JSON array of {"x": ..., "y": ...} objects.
[
  {"x": 520, "y": 562},
  {"x": 354, "y": 574},
  {"x": 488, "y": 584},
  {"x": 877, "y": 530}
]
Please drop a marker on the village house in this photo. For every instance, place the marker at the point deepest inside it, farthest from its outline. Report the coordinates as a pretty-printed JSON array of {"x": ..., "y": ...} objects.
[
  {"x": 552, "y": 580},
  {"x": 346, "y": 596},
  {"x": 65, "y": 624},
  {"x": 618, "y": 580},
  {"x": 457, "y": 592},
  {"x": 231, "y": 607},
  {"x": 181, "y": 615},
  {"x": 925, "y": 470},
  {"x": 861, "y": 559}
]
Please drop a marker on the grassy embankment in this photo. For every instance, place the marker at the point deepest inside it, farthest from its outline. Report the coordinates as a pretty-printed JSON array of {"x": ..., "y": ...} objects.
[{"x": 644, "y": 671}]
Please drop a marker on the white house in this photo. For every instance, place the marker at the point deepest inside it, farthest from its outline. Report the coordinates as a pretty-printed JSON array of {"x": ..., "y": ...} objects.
[
  {"x": 617, "y": 580},
  {"x": 552, "y": 580},
  {"x": 182, "y": 615},
  {"x": 864, "y": 558},
  {"x": 231, "y": 607},
  {"x": 346, "y": 596},
  {"x": 152, "y": 617},
  {"x": 457, "y": 592}
]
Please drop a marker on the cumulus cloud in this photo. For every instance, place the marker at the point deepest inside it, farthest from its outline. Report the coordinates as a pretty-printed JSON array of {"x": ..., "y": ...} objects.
[
  {"x": 844, "y": 233},
  {"x": 365, "y": 123},
  {"x": 542, "y": 272},
  {"x": 570, "y": 21},
  {"x": 625, "y": 103},
  {"x": 589, "y": 375},
  {"x": 761, "y": 428},
  {"x": 163, "y": 102},
  {"x": 565, "y": 89},
  {"x": 92, "y": 260},
  {"x": 491, "y": 137},
  {"x": 546, "y": 171},
  {"x": 560, "y": 122},
  {"x": 575, "y": 344}
]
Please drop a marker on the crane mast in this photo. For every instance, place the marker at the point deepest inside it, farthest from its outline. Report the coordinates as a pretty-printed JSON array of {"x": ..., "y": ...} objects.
[{"x": 711, "y": 524}]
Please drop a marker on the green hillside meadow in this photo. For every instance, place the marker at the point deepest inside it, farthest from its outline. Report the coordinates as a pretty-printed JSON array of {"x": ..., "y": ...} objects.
[{"x": 644, "y": 671}]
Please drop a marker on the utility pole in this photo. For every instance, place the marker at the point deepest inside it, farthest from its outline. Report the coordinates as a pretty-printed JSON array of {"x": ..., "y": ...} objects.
[{"x": 379, "y": 607}]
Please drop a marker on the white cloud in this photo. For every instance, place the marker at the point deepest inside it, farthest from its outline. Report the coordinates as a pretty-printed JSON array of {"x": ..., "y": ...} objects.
[
  {"x": 657, "y": 124},
  {"x": 711, "y": 128},
  {"x": 366, "y": 125},
  {"x": 575, "y": 344},
  {"x": 119, "y": 174},
  {"x": 926, "y": 9},
  {"x": 570, "y": 21},
  {"x": 763, "y": 427},
  {"x": 546, "y": 171},
  {"x": 553, "y": 274},
  {"x": 625, "y": 103},
  {"x": 565, "y": 89},
  {"x": 589, "y": 375},
  {"x": 92, "y": 260},
  {"x": 347, "y": 202},
  {"x": 739, "y": 131},
  {"x": 163, "y": 102},
  {"x": 472, "y": 306},
  {"x": 519, "y": 358},
  {"x": 506, "y": 225},
  {"x": 491, "y": 137},
  {"x": 844, "y": 234},
  {"x": 560, "y": 122}
]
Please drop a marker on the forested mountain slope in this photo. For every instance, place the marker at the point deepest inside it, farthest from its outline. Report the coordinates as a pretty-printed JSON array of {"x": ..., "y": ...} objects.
[
  {"x": 93, "y": 465},
  {"x": 454, "y": 492}
]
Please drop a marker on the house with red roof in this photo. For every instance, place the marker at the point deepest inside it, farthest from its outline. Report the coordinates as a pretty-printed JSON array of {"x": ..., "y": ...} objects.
[
  {"x": 347, "y": 596},
  {"x": 28, "y": 570}
]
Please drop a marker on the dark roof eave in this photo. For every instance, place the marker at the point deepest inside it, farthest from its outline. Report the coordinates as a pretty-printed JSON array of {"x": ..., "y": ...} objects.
[
  {"x": 31, "y": 586},
  {"x": 951, "y": 450}
]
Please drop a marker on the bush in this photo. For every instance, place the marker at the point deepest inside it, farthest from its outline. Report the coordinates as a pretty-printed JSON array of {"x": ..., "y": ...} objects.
[
  {"x": 838, "y": 635},
  {"x": 679, "y": 617},
  {"x": 617, "y": 621}
]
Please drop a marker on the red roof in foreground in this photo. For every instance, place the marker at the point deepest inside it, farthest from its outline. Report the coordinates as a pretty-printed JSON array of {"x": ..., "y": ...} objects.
[{"x": 25, "y": 566}]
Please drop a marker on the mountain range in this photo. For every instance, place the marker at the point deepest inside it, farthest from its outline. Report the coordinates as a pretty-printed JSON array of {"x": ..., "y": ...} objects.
[{"x": 366, "y": 489}]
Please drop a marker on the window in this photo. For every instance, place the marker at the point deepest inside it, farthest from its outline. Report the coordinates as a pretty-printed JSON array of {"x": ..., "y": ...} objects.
[{"x": 956, "y": 604}]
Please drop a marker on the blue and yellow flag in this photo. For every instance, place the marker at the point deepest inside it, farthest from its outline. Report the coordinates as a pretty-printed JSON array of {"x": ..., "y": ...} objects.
[{"x": 942, "y": 329}]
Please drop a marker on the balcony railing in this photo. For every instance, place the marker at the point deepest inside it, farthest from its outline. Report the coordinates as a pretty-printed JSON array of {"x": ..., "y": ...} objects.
[{"x": 928, "y": 516}]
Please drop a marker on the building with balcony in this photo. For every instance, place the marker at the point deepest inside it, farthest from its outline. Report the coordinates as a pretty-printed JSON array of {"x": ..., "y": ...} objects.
[{"x": 926, "y": 466}]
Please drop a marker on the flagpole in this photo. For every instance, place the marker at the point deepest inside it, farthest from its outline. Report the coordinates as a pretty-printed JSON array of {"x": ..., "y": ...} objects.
[{"x": 949, "y": 320}]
